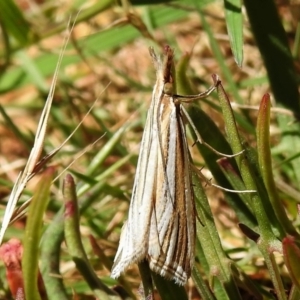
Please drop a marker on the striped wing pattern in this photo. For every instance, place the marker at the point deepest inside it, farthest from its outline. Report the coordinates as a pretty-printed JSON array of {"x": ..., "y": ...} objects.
[{"x": 161, "y": 221}]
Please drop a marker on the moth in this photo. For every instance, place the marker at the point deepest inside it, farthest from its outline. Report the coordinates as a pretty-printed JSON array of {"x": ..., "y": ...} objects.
[{"x": 161, "y": 223}]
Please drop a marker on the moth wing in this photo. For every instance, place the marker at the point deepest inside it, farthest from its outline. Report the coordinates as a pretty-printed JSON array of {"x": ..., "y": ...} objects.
[
  {"x": 174, "y": 210},
  {"x": 133, "y": 244}
]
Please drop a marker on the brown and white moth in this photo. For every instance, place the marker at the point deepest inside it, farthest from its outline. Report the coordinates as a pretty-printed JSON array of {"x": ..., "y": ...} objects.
[{"x": 161, "y": 221}]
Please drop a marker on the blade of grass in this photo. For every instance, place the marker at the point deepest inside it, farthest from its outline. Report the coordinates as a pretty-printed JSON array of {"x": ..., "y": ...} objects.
[
  {"x": 107, "y": 149},
  {"x": 75, "y": 246},
  {"x": 274, "y": 47},
  {"x": 14, "y": 22},
  {"x": 219, "y": 57},
  {"x": 15, "y": 129},
  {"x": 265, "y": 164},
  {"x": 31, "y": 70},
  {"x": 33, "y": 234},
  {"x": 234, "y": 23},
  {"x": 92, "y": 45},
  {"x": 35, "y": 153},
  {"x": 203, "y": 289},
  {"x": 50, "y": 259}
]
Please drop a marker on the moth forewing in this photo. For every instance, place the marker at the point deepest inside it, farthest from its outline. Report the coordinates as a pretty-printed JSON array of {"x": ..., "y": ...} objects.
[
  {"x": 161, "y": 219},
  {"x": 133, "y": 242},
  {"x": 135, "y": 237},
  {"x": 177, "y": 243}
]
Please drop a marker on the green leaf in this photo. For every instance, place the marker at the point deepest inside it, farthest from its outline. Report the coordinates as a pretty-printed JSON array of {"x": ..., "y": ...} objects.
[
  {"x": 31, "y": 69},
  {"x": 274, "y": 47},
  {"x": 91, "y": 46},
  {"x": 33, "y": 234},
  {"x": 265, "y": 164},
  {"x": 75, "y": 245},
  {"x": 234, "y": 22},
  {"x": 13, "y": 21}
]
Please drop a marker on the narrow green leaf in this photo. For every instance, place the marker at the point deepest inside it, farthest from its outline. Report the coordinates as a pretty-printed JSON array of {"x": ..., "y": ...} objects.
[
  {"x": 220, "y": 57},
  {"x": 265, "y": 164},
  {"x": 15, "y": 129},
  {"x": 296, "y": 47},
  {"x": 246, "y": 169},
  {"x": 201, "y": 285},
  {"x": 234, "y": 22},
  {"x": 50, "y": 256},
  {"x": 75, "y": 246},
  {"x": 183, "y": 85},
  {"x": 14, "y": 22},
  {"x": 107, "y": 149},
  {"x": 30, "y": 68},
  {"x": 33, "y": 234},
  {"x": 274, "y": 47},
  {"x": 91, "y": 45}
]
